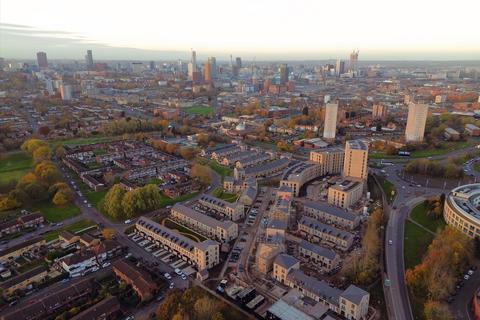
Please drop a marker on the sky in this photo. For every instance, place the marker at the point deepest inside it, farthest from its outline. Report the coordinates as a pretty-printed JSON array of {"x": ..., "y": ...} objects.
[{"x": 264, "y": 29}]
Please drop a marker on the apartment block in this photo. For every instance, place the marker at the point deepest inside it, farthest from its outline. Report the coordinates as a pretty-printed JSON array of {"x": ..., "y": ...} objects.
[
  {"x": 222, "y": 231},
  {"x": 331, "y": 215},
  {"x": 321, "y": 256},
  {"x": 203, "y": 255},
  {"x": 331, "y": 160},
  {"x": 356, "y": 160},
  {"x": 233, "y": 211},
  {"x": 319, "y": 232},
  {"x": 345, "y": 193}
]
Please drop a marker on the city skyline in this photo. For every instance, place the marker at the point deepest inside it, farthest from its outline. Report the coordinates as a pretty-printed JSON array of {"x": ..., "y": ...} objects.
[{"x": 309, "y": 32}]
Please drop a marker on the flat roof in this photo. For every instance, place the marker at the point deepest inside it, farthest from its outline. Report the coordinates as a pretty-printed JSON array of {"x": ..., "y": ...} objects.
[{"x": 204, "y": 219}]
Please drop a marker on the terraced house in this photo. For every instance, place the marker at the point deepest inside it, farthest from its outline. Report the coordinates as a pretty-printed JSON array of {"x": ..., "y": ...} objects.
[
  {"x": 203, "y": 255},
  {"x": 320, "y": 232},
  {"x": 233, "y": 211},
  {"x": 331, "y": 215},
  {"x": 223, "y": 231}
]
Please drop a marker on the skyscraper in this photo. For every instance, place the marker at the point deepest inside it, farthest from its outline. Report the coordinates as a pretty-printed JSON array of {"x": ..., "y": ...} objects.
[
  {"x": 194, "y": 60},
  {"x": 213, "y": 67},
  {"x": 89, "y": 60},
  {"x": 42, "y": 59},
  {"x": 330, "y": 126},
  {"x": 355, "y": 164},
  {"x": 416, "y": 120},
  {"x": 238, "y": 62},
  {"x": 353, "y": 66},
  {"x": 283, "y": 70},
  {"x": 207, "y": 71},
  {"x": 340, "y": 68},
  {"x": 66, "y": 92},
  {"x": 152, "y": 65}
]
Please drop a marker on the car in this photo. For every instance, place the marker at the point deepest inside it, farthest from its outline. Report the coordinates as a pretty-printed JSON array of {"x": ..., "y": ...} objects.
[
  {"x": 128, "y": 255},
  {"x": 106, "y": 264},
  {"x": 167, "y": 275},
  {"x": 470, "y": 272},
  {"x": 178, "y": 271},
  {"x": 128, "y": 221},
  {"x": 466, "y": 277},
  {"x": 390, "y": 242},
  {"x": 184, "y": 277},
  {"x": 85, "y": 201},
  {"x": 65, "y": 280},
  {"x": 89, "y": 205},
  {"x": 172, "y": 285}
]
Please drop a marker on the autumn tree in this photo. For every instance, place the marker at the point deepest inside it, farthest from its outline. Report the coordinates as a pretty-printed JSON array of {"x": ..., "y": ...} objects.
[
  {"x": 112, "y": 203},
  {"x": 202, "y": 173},
  {"x": 63, "y": 197},
  {"x": 168, "y": 307},
  {"x": 108, "y": 233},
  {"x": 41, "y": 153},
  {"x": 205, "y": 308},
  {"x": 435, "y": 310}
]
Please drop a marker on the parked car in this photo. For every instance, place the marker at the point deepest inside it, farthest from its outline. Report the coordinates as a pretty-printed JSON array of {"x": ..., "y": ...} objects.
[{"x": 167, "y": 275}]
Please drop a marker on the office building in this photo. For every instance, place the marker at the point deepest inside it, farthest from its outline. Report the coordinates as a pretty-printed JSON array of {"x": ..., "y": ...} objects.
[
  {"x": 356, "y": 160},
  {"x": 152, "y": 65},
  {"x": 137, "y": 67},
  {"x": 203, "y": 255},
  {"x": 283, "y": 70},
  {"x": 416, "y": 120},
  {"x": 330, "y": 126},
  {"x": 89, "y": 60},
  {"x": 379, "y": 111},
  {"x": 353, "y": 66},
  {"x": 66, "y": 92},
  {"x": 212, "y": 61},
  {"x": 207, "y": 72},
  {"x": 340, "y": 67},
  {"x": 238, "y": 62},
  {"x": 42, "y": 60},
  {"x": 345, "y": 193}
]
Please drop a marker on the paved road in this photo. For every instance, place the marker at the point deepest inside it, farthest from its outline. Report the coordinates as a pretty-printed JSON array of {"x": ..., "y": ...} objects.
[{"x": 408, "y": 195}]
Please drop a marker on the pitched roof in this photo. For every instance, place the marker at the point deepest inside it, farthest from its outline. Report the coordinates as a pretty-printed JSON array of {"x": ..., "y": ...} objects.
[
  {"x": 354, "y": 294},
  {"x": 285, "y": 260}
]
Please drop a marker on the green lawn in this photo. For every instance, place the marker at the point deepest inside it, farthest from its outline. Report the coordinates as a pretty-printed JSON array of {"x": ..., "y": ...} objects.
[
  {"x": 221, "y": 170},
  {"x": 96, "y": 197},
  {"x": 388, "y": 188},
  {"x": 449, "y": 147},
  {"x": 416, "y": 243},
  {"x": 184, "y": 230},
  {"x": 74, "y": 227},
  {"x": 88, "y": 140},
  {"x": 156, "y": 181},
  {"x": 13, "y": 165},
  {"x": 419, "y": 214},
  {"x": 219, "y": 193},
  {"x": 53, "y": 213},
  {"x": 166, "y": 201},
  {"x": 199, "y": 110}
]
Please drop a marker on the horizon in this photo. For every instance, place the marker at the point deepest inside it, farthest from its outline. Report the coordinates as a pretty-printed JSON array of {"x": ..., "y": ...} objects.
[{"x": 270, "y": 30}]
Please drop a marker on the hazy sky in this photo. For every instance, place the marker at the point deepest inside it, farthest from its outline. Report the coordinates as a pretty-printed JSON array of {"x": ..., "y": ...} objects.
[{"x": 293, "y": 29}]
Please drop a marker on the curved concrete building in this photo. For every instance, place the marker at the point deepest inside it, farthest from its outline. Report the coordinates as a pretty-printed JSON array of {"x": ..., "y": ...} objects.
[{"x": 462, "y": 209}]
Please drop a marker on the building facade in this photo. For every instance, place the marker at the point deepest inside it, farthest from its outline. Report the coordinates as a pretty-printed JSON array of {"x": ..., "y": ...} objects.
[
  {"x": 356, "y": 160},
  {"x": 416, "y": 120}
]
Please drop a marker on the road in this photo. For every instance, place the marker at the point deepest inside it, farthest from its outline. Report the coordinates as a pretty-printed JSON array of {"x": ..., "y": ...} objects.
[{"x": 408, "y": 195}]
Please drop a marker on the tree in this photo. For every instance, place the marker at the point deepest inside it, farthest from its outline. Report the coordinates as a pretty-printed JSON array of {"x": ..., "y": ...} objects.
[
  {"x": 435, "y": 310},
  {"x": 109, "y": 178},
  {"x": 47, "y": 172},
  {"x": 133, "y": 202},
  {"x": 63, "y": 197},
  {"x": 60, "y": 151},
  {"x": 202, "y": 173},
  {"x": 187, "y": 153},
  {"x": 41, "y": 153},
  {"x": 169, "y": 305},
  {"x": 112, "y": 204},
  {"x": 108, "y": 233},
  {"x": 205, "y": 307},
  {"x": 31, "y": 145},
  {"x": 44, "y": 130},
  {"x": 218, "y": 316}
]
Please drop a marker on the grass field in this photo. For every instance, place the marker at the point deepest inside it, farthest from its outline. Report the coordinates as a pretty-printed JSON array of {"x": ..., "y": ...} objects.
[
  {"x": 96, "y": 197},
  {"x": 166, "y": 201},
  {"x": 13, "y": 165},
  {"x": 388, "y": 188},
  {"x": 183, "y": 230},
  {"x": 53, "y": 213},
  {"x": 221, "y": 170},
  {"x": 419, "y": 214},
  {"x": 416, "y": 243},
  {"x": 199, "y": 110},
  {"x": 74, "y": 227},
  {"x": 219, "y": 193},
  {"x": 89, "y": 140}
]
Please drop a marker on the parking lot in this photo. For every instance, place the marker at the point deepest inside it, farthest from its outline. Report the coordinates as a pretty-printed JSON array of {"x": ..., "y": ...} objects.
[{"x": 174, "y": 269}]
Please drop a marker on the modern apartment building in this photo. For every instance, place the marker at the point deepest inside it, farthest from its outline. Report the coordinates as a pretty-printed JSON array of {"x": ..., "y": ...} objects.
[
  {"x": 203, "y": 255},
  {"x": 331, "y": 159},
  {"x": 222, "y": 231},
  {"x": 298, "y": 174},
  {"x": 416, "y": 120},
  {"x": 330, "y": 126},
  {"x": 321, "y": 256},
  {"x": 233, "y": 211},
  {"x": 356, "y": 160},
  {"x": 331, "y": 215},
  {"x": 316, "y": 231},
  {"x": 345, "y": 193}
]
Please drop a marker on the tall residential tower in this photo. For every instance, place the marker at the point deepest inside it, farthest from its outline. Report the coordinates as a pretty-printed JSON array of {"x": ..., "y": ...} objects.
[
  {"x": 330, "y": 126},
  {"x": 416, "y": 120}
]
